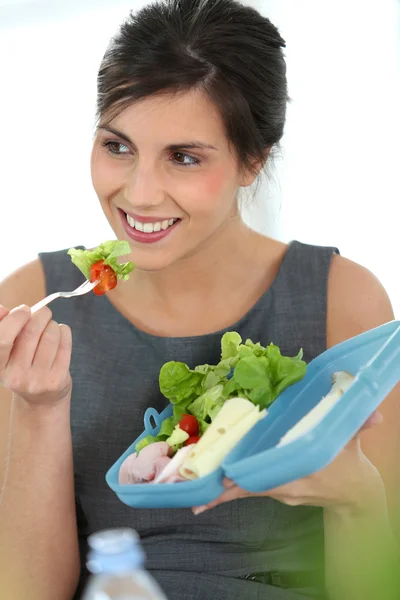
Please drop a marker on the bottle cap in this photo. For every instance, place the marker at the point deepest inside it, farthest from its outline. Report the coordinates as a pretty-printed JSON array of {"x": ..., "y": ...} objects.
[{"x": 114, "y": 551}]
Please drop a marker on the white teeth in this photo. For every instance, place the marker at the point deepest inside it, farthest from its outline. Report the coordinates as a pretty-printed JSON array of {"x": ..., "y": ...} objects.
[
  {"x": 139, "y": 226},
  {"x": 150, "y": 227}
]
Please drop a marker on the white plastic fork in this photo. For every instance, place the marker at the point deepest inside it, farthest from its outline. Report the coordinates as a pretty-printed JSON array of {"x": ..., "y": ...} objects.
[{"x": 86, "y": 287}]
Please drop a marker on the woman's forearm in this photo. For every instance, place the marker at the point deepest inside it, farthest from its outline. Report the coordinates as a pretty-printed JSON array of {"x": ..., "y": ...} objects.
[
  {"x": 361, "y": 553},
  {"x": 39, "y": 557}
]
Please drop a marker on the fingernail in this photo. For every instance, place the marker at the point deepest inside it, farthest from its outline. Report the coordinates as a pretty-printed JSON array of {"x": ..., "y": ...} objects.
[
  {"x": 20, "y": 307},
  {"x": 199, "y": 509}
]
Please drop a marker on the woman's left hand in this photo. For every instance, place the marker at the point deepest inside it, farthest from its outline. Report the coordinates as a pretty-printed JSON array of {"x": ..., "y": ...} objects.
[{"x": 349, "y": 481}]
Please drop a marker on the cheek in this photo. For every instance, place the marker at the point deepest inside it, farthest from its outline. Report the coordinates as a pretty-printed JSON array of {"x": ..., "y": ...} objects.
[
  {"x": 94, "y": 162},
  {"x": 97, "y": 171},
  {"x": 216, "y": 187},
  {"x": 106, "y": 179}
]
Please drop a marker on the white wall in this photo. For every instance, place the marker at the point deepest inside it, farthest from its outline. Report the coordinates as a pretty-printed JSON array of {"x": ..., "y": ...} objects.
[{"x": 337, "y": 182}]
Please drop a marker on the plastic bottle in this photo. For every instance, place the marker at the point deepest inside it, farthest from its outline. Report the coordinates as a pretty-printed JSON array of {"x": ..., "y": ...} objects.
[{"x": 116, "y": 561}]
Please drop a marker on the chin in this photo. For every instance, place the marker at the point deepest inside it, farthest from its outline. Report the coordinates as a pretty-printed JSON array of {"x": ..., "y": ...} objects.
[{"x": 151, "y": 264}]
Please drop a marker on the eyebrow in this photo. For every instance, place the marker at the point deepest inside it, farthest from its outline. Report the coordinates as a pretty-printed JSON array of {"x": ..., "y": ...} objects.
[{"x": 172, "y": 147}]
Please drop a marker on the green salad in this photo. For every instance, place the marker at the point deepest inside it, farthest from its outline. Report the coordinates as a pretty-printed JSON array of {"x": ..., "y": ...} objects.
[{"x": 246, "y": 370}]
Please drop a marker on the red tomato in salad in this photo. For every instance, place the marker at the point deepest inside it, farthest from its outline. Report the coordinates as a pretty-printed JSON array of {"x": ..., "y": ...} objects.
[
  {"x": 189, "y": 424},
  {"x": 106, "y": 276},
  {"x": 192, "y": 440}
]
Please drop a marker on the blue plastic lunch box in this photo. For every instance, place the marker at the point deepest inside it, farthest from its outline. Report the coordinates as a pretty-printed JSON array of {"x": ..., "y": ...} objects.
[{"x": 256, "y": 463}]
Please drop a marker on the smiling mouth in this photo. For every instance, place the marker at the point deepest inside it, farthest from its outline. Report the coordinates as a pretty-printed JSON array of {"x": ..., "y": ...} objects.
[{"x": 150, "y": 227}]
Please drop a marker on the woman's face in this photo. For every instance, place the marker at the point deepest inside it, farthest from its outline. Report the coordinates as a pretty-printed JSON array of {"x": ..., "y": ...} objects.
[{"x": 166, "y": 177}]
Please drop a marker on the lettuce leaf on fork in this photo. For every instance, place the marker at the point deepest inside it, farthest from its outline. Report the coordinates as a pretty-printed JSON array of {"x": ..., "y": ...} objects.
[{"x": 108, "y": 252}]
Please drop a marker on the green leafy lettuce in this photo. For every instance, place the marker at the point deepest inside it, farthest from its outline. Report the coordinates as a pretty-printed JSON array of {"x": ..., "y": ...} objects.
[
  {"x": 166, "y": 430},
  {"x": 247, "y": 370},
  {"x": 108, "y": 252},
  {"x": 208, "y": 404},
  {"x": 262, "y": 375}
]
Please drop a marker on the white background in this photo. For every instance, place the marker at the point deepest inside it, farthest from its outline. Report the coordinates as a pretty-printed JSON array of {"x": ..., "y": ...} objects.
[{"x": 337, "y": 183}]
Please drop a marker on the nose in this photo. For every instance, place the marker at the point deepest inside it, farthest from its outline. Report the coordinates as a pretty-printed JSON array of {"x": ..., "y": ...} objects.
[{"x": 143, "y": 188}]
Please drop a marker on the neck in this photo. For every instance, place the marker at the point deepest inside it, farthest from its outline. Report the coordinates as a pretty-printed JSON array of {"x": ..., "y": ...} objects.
[{"x": 221, "y": 260}]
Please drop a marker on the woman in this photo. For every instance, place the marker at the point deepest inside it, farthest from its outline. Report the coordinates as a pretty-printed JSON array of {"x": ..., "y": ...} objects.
[{"x": 191, "y": 104}]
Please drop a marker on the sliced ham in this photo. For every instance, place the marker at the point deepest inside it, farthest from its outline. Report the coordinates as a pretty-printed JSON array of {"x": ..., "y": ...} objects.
[
  {"x": 160, "y": 464},
  {"x": 143, "y": 467}
]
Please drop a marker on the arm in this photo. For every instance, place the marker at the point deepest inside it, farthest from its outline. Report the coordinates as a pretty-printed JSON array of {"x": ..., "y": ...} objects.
[
  {"x": 39, "y": 557},
  {"x": 361, "y": 551},
  {"x": 39, "y": 554}
]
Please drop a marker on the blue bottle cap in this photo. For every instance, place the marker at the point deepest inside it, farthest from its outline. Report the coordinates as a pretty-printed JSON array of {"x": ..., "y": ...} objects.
[{"x": 114, "y": 551}]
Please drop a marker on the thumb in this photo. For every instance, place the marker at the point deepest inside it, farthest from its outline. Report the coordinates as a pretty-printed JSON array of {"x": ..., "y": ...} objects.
[{"x": 375, "y": 419}]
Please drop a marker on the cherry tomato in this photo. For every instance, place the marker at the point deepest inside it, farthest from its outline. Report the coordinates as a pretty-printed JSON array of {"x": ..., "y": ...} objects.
[
  {"x": 106, "y": 275},
  {"x": 189, "y": 424},
  {"x": 192, "y": 440}
]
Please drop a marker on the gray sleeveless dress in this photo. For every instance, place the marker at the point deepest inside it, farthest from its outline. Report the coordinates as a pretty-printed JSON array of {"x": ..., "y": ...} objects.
[{"x": 256, "y": 548}]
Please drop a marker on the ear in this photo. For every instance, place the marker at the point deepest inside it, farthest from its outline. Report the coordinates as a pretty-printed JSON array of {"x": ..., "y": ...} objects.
[{"x": 249, "y": 175}]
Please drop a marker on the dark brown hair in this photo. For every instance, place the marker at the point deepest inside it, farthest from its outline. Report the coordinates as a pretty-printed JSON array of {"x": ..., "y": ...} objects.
[{"x": 221, "y": 46}]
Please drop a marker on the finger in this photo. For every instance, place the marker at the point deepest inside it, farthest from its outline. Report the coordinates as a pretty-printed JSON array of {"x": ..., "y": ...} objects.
[
  {"x": 63, "y": 357},
  {"x": 3, "y": 311},
  {"x": 233, "y": 493},
  {"x": 10, "y": 328},
  {"x": 228, "y": 483},
  {"x": 375, "y": 419},
  {"x": 47, "y": 348},
  {"x": 27, "y": 342}
]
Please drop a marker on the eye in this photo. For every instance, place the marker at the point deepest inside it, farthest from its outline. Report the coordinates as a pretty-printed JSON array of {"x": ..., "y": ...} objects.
[
  {"x": 115, "y": 148},
  {"x": 184, "y": 159}
]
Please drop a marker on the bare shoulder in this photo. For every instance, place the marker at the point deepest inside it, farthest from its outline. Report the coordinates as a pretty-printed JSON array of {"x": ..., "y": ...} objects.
[
  {"x": 269, "y": 253},
  {"x": 26, "y": 285},
  {"x": 357, "y": 301}
]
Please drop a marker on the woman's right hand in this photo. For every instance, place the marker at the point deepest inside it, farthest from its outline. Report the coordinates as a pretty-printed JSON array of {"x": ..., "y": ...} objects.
[{"x": 35, "y": 355}]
